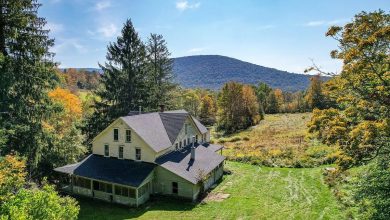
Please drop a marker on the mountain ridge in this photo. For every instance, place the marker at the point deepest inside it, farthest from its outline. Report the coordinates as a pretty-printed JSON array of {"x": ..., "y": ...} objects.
[{"x": 212, "y": 71}]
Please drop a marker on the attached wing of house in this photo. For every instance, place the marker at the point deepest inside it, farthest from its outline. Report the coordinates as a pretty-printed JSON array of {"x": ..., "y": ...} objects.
[{"x": 142, "y": 154}]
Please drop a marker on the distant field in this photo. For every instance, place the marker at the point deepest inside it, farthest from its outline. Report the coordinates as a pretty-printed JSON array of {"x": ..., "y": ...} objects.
[
  {"x": 255, "y": 193},
  {"x": 279, "y": 140}
]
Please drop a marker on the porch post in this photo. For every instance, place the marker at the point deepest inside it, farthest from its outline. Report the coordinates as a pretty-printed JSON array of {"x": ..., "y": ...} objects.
[
  {"x": 92, "y": 194},
  {"x": 136, "y": 196}
]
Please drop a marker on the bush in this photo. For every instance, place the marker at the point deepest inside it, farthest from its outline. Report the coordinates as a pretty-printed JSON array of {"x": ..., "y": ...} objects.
[{"x": 37, "y": 203}]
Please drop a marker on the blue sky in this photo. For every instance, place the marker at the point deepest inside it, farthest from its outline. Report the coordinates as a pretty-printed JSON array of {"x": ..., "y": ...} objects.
[{"x": 282, "y": 34}]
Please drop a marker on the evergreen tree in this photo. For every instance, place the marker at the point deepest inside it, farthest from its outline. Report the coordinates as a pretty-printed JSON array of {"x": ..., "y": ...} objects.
[
  {"x": 160, "y": 72},
  {"x": 272, "y": 103},
  {"x": 124, "y": 81},
  {"x": 262, "y": 92},
  {"x": 26, "y": 76}
]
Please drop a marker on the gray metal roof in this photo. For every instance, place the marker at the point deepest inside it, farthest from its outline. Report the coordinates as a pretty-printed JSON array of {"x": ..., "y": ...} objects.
[
  {"x": 125, "y": 172},
  {"x": 160, "y": 129},
  {"x": 180, "y": 163}
]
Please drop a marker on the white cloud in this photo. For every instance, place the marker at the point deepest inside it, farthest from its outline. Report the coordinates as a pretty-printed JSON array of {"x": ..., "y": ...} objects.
[
  {"x": 183, "y": 5},
  {"x": 69, "y": 44},
  {"x": 108, "y": 30},
  {"x": 54, "y": 27},
  {"x": 102, "y": 5},
  {"x": 327, "y": 23},
  {"x": 196, "y": 50}
]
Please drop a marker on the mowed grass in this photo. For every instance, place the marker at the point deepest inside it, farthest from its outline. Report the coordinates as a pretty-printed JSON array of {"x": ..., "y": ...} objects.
[{"x": 255, "y": 193}]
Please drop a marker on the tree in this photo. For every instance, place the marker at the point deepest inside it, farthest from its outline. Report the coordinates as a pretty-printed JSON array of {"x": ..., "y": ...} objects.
[
  {"x": 26, "y": 76},
  {"x": 237, "y": 107},
  {"x": 124, "y": 81},
  {"x": 251, "y": 106},
  {"x": 262, "y": 92},
  {"x": 17, "y": 201},
  {"x": 191, "y": 102},
  {"x": 64, "y": 137},
  {"x": 12, "y": 176},
  {"x": 160, "y": 71},
  {"x": 314, "y": 96},
  {"x": 272, "y": 103},
  {"x": 207, "y": 110},
  {"x": 362, "y": 92}
]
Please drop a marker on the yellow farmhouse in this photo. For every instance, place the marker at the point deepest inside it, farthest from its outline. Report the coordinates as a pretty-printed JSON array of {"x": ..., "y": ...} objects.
[{"x": 161, "y": 153}]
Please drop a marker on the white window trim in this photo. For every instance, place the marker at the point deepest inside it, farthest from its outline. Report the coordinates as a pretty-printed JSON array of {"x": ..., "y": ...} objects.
[
  {"x": 136, "y": 154},
  {"x": 126, "y": 136},
  {"x": 123, "y": 152},
  {"x": 104, "y": 150},
  {"x": 113, "y": 135}
]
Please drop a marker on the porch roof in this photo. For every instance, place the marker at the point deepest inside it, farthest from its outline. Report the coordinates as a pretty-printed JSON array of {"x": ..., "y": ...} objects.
[{"x": 125, "y": 172}]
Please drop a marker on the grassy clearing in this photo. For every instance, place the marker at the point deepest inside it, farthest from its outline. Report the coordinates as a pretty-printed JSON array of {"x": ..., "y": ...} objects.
[
  {"x": 255, "y": 193},
  {"x": 279, "y": 140}
]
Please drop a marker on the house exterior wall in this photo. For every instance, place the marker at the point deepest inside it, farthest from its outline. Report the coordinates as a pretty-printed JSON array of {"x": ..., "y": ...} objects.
[
  {"x": 192, "y": 130},
  {"x": 107, "y": 137},
  {"x": 163, "y": 184}
]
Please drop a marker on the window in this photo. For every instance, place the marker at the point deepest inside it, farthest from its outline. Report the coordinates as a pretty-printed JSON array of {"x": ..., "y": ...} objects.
[
  {"x": 120, "y": 152},
  {"x": 116, "y": 134},
  {"x": 106, "y": 150},
  {"x": 138, "y": 154},
  {"x": 124, "y": 191},
  {"x": 188, "y": 140},
  {"x": 185, "y": 128},
  {"x": 81, "y": 182},
  {"x": 128, "y": 136},
  {"x": 177, "y": 146},
  {"x": 100, "y": 186},
  {"x": 196, "y": 139},
  {"x": 180, "y": 144},
  {"x": 185, "y": 143},
  {"x": 175, "y": 188}
]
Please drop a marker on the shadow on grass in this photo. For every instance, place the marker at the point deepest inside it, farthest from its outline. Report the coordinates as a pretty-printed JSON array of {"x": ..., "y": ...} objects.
[{"x": 96, "y": 209}]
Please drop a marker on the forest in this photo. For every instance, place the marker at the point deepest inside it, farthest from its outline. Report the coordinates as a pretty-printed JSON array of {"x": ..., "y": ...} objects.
[{"x": 49, "y": 116}]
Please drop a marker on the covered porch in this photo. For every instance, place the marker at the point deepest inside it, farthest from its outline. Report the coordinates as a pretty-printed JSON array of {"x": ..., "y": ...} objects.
[
  {"x": 111, "y": 192},
  {"x": 119, "y": 181}
]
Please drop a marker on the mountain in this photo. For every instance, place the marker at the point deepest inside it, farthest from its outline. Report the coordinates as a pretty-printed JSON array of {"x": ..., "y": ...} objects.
[{"x": 212, "y": 71}]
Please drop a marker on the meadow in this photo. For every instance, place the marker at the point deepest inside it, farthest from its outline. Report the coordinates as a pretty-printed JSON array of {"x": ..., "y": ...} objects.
[
  {"x": 280, "y": 140},
  {"x": 253, "y": 192}
]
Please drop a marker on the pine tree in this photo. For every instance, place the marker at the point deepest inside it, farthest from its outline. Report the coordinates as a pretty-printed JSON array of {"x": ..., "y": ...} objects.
[
  {"x": 160, "y": 72},
  {"x": 26, "y": 76},
  {"x": 124, "y": 81}
]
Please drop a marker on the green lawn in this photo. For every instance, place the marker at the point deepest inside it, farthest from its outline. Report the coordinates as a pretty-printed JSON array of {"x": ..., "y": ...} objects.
[{"x": 255, "y": 193}]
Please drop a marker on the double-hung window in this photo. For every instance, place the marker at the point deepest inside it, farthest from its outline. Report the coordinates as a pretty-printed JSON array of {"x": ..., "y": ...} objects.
[
  {"x": 106, "y": 150},
  {"x": 137, "y": 153},
  {"x": 120, "y": 152},
  {"x": 128, "y": 136},
  {"x": 116, "y": 134}
]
